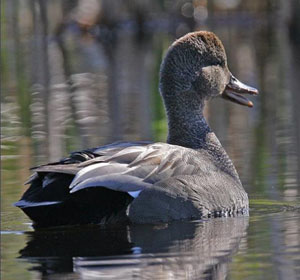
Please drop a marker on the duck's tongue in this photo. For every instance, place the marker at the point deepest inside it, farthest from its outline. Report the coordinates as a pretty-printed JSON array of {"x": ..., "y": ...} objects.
[{"x": 234, "y": 92}]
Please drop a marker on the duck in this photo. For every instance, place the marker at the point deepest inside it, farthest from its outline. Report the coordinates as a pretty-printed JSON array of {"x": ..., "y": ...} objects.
[{"x": 189, "y": 177}]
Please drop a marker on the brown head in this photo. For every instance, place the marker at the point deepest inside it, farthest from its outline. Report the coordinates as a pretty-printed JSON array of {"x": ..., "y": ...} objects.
[{"x": 197, "y": 63}]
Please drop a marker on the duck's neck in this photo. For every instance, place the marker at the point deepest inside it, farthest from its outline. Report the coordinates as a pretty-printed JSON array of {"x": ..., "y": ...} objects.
[
  {"x": 187, "y": 125},
  {"x": 188, "y": 128}
]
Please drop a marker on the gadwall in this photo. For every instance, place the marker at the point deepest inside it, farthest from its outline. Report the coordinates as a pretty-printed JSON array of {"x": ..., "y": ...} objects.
[{"x": 189, "y": 177}]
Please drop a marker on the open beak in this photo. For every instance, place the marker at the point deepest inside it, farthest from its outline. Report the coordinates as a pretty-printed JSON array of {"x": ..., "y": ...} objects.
[{"x": 235, "y": 90}]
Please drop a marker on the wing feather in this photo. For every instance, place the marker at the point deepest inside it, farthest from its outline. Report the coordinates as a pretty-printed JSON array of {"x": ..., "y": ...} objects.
[
  {"x": 58, "y": 168},
  {"x": 124, "y": 183},
  {"x": 126, "y": 167},
  {"x": 97, "y": 170}
]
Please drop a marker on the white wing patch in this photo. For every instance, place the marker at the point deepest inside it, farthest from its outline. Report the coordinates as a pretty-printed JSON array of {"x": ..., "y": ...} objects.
[{"x": 134, "y": 194}]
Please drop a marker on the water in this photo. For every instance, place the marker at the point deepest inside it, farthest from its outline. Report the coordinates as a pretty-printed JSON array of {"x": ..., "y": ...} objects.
[
  {"x": 264, "y": 246},
  {"x": 101, "y": 86}
]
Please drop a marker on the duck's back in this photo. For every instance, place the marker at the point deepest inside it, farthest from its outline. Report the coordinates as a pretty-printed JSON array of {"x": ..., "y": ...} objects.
[{"x": 138, "y": 182}]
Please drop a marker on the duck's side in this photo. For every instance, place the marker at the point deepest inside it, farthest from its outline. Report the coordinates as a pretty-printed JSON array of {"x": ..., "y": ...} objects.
[{"x": 132, "y": 182}]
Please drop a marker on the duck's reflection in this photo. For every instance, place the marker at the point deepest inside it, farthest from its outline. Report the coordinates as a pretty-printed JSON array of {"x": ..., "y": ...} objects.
[{"x": 181, "y": 250}]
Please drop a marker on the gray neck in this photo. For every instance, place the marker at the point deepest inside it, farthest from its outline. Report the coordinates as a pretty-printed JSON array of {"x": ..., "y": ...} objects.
[
  {"x": 187, "y": 125},
  {"x": 188, "y": 128}
]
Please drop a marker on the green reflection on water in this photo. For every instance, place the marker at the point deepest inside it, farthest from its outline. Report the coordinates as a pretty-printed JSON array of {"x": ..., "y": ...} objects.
[
  {"x": 11, "y": 267},
  {"x": 159, "y": 124}
]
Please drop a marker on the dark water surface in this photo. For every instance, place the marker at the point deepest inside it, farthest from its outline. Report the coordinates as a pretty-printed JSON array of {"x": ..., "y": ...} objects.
[{"x": 72, "y": 80}]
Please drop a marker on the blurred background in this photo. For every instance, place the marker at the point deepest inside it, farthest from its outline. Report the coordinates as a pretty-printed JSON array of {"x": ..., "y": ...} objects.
[{"x": 79, "y": 74}]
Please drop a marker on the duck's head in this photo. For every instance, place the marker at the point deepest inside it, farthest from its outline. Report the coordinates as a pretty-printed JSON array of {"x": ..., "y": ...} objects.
[{"x": 197, "y": 63}]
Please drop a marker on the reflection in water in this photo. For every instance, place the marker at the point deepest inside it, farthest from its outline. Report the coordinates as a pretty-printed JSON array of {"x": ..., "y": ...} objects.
[{"x": 183, "y": 250}]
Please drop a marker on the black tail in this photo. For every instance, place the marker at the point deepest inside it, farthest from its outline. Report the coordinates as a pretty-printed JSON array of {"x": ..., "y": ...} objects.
[{"x": 52, "y": 205}]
